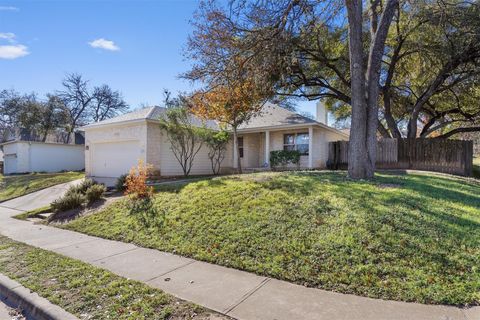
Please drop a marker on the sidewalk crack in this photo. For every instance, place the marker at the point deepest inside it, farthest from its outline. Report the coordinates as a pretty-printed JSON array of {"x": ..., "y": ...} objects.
[
  {"x": 174, "y": 269},
  {"x": 13, "y": 208},
  {"x": 71, "y": 245},
  {"x": 115, "y": 254},
  {"x": 246, "y": 296}
]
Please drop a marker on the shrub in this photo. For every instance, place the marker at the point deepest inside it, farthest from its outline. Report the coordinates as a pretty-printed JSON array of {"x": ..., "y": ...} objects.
[
  {"x": 120, "y": 185},
  {"x": 141, "y": 196},
  {"x": 81, "y": 187},
  {"x": 85, "y": 193},
  {"x": 184, "y": 136},
  {"x": 216, "y": 142},
  {"x": 94, "y": 193},
  {"x": 71, "y": 200},
  {"x": 136, "y": 182},
  {"x": 144, "y": 210},
  {"x": 284, "y": 157}
]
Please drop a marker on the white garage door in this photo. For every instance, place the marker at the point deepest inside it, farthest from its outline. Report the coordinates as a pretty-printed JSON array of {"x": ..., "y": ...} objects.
[
  {"x": 10, "y": 163},
  {"x": 114, "y": 158}
]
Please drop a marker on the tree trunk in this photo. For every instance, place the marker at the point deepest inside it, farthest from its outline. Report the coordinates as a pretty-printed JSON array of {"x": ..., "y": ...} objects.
[
  {"x": 392, "y": 125},
  {"x": 412, "y": 125},
  {"x": 45, "y": 135},
  {"x": 237, "y": 148},
  {"x": 69, "y": 134},
  {"x": 372, "y": 78},
  {"x": 383, "y": 131},
  {"x": 357, "y": 149},
  {"x": 365, "y": 86}
]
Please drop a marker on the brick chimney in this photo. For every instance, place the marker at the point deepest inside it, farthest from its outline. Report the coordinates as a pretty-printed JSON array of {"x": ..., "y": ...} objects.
[{"x": 322, "y": 113}]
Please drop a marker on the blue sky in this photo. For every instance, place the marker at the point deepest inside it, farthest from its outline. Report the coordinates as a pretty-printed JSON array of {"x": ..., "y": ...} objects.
[{"x": 133, "y": 46}]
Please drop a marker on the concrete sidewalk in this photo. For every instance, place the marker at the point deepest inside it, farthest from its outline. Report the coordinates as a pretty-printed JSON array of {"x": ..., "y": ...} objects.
[{"x": 236, "y": 293}]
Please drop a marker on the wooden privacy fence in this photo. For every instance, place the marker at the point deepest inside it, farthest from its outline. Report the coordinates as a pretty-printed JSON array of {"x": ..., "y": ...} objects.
[{"x": 447, "y": 156}]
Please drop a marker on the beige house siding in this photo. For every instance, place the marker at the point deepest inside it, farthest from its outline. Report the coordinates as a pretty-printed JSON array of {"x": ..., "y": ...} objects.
[
  {"x": 256, "y": 142},
  {"x": 155, "y": 149},
  {"x": 169, "y": 165},
  {"x": 276, "y": 143},
  {"x": 321, "y": 149},
  {"x": 251, "y": 150},
  {"x": 261, "y": 149},
  {"x": 154, "y": 145}
]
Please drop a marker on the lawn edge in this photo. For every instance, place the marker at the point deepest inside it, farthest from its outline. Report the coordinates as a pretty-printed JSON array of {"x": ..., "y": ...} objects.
[
  {"x": 2, "y": 201},
  {"x": 35, "y": 305},
  {"x": 455, "y": 178}
]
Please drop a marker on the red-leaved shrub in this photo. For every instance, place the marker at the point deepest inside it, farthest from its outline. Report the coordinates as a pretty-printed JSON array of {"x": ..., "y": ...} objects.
[{"x": 136, "y": 182}]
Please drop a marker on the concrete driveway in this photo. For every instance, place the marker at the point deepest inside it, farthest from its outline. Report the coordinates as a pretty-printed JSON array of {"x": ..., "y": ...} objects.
[{"x": 38, "y": 199}]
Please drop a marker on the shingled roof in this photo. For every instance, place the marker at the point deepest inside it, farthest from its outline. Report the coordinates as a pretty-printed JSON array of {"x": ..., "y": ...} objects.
[
  {"x": 272, "y": 115},
  {"x": 149, "y": 113}
]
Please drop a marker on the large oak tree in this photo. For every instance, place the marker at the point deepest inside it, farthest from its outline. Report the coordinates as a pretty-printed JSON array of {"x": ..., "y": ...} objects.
[{"x": 415, "y": 61}]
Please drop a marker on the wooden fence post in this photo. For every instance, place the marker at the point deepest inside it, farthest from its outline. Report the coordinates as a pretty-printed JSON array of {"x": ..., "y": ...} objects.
[{"x": 468, "y": 159}]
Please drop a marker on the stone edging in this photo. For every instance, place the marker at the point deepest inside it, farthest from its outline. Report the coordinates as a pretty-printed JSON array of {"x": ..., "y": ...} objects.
[{"x": 30, "y": 302}]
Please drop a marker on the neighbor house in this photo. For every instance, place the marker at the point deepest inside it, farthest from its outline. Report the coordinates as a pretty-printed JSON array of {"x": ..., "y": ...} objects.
[
  {"x": 23, "y": 153},
  {"x": 113, "y": 146}
]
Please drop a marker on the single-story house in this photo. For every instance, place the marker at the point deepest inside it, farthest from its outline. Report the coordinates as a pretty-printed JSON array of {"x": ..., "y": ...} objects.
[
  {"x": 23, "y": 156},
  {"x": 113, "y": 146}
]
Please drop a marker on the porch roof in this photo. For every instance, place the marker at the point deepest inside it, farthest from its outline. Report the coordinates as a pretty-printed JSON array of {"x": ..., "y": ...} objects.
[{"x": 273, "y": 117}]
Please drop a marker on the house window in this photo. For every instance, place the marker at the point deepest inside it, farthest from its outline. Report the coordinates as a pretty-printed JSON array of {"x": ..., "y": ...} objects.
[
  {"x": 240, "y": 146},
  {"x": 296, "y": 141}
]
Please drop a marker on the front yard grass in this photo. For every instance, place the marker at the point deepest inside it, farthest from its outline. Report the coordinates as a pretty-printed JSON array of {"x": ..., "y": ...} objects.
[
  {"x": 33, "y": 213},
  {"x": 18, "y": 185},
  {"x": 89, "y": 292},
  {"x": 413, "y": 237}
]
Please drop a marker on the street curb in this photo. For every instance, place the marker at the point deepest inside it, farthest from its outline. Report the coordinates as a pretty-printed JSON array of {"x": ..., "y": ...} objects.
[{"x": 34, "y": 305}]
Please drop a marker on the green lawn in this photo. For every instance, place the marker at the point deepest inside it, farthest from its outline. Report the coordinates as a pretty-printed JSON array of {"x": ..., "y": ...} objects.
[
  {"x": 18, "y": 185},
  {"x": 89, "y": 292},
  {"x": 409, "y": 237},
  {"x": 33, "y": 213}
]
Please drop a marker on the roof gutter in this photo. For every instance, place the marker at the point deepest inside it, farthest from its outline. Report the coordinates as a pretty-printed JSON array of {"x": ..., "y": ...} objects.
[{"x": 112, "y": 124}]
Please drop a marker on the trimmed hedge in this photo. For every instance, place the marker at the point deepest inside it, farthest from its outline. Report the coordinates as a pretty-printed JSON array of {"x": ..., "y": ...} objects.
[{"x": 284, "y": 157}]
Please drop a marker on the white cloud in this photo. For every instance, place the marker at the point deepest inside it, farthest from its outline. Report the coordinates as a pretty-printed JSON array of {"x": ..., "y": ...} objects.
[
  {"x": 13, "y": 51},
  {"x": 8, "y": 8},
  {"x": 10, "y": 37},
  {"x": 104, "y": 44}
]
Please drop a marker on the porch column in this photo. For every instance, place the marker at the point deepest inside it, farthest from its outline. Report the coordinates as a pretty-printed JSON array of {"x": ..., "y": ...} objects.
[
  {"x": 267, "y": 148},
  {"x": 310, "y": 147},
  {"x": 235, "y": 154}
]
